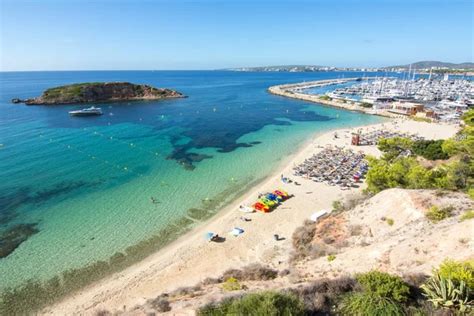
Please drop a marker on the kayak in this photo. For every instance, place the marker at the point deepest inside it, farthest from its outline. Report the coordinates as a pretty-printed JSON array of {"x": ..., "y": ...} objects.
[
  {"x": 273, "y": 197},
  {"x": 261, "y": 207},
  {"x": 267, "y": 202},
  {"x": 246, "y": 209},
  {"x": 281, "y": 193}
]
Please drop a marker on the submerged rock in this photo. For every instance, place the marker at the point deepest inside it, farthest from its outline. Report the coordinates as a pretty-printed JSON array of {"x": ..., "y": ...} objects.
[
  {"x": 14, "y": 236},
  {"x": 90, "y": 92}
]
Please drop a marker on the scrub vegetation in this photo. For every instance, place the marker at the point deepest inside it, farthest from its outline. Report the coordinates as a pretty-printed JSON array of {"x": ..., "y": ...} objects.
[
  {"x": 446, "y": 292},
  {"x": 400, "y": 165}
]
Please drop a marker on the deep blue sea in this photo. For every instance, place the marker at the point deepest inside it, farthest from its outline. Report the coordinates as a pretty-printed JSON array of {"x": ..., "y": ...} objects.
[{"x": 77, "y": 190}]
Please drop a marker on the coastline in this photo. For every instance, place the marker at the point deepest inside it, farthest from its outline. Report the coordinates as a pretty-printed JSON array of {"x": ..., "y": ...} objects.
[{"x": 190, "y": 258}]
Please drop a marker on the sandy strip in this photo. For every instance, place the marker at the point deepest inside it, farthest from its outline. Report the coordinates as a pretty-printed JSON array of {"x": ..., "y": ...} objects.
[{"x": 191, "y": 259}]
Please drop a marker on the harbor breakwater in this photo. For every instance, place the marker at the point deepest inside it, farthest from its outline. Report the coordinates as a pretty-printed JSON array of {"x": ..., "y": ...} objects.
[{"x": 296, "y": 91}]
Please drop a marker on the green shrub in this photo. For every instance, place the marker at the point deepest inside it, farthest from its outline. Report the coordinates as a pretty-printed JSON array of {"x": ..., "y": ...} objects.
[
  {"x": 444, "y": 292},
  {"x": 421, "y": 119},
  {"x": 325, "y": 97},
  {"x": 265, "y": 303},
  {"x": 394, "y": 170},
  {"x": 231, "y": 284},
  {"x": 390, "y": 221},
  {"x": 467, "y": 215},
  {"x": 470, "y": 192},
  {"x": 403, "y": 172},
  {"x": 363, "y": 304},
  {"x": 468, "y": 117},
  {"x": 331, "y": 258},
  {"x": 436, "y": 214},
  {"x": 458, "y": 271},
  {"x": 430, "y": 149},
  {"x": 382, "y": 284},
  {"x": 366, "y": 105},
  {"x": 337, "y": 206},
  {"x": 392, "y": 147}
]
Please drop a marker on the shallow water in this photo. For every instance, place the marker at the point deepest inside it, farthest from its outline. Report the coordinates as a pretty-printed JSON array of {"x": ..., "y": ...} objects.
[{"x": 87, "y": 182}]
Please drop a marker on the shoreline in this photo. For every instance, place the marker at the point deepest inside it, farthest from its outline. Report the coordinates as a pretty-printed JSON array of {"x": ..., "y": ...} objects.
[{"x": 181, "y": 262}]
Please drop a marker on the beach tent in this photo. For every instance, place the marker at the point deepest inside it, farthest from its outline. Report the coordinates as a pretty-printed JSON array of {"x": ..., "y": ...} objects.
[
  {"x": 237, "y": 231},
  {"x": 318, "y": 214},
  {"x": 209, "y": 236}
]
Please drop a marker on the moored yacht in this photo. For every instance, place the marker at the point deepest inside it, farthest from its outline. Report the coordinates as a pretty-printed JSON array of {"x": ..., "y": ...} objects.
[{"x": 92, "y": 111}]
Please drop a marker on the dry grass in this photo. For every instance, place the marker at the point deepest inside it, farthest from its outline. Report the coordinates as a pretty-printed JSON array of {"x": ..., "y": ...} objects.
[
  {"x": 160, "y": 304},
  {"x": 253, "y": 272},
  {"x": 322, "y": 238},
  {"x": 320, "y": 295}
]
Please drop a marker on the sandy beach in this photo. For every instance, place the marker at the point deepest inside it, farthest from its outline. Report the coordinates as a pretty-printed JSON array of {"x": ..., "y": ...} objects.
[{"x": 190, "y": 259}]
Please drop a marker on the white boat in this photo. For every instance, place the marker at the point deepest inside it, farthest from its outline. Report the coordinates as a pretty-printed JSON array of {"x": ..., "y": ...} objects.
[
  {"x": 92, "y": 111},
  {"x": 318, "y": 215},
  {"x": 246, "y": 209}
]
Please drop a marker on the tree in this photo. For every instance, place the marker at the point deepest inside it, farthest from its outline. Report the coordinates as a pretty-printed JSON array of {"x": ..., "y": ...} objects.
[{"x": 393, "y": 147}]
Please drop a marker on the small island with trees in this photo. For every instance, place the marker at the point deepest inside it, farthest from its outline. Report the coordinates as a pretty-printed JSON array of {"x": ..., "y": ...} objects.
[{"x": 91, "y": 92}]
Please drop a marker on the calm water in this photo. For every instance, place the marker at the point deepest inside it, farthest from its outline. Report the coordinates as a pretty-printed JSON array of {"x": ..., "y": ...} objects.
[{"x": 85, "y": 183}]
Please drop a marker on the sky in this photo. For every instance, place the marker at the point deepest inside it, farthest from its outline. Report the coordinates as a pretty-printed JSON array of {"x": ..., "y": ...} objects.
[{"x": 215, "y": 34}]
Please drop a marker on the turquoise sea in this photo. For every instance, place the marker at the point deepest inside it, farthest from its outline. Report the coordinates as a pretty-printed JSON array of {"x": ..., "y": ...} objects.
[{"x": 74, "y": 191}]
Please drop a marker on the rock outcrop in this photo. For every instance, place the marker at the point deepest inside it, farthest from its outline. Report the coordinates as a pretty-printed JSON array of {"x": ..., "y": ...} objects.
[{"x": 91, "y": 92}]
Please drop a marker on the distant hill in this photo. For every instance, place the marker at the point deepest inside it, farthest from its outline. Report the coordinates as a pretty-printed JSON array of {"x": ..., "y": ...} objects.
[{"x": 436, "y": 64}]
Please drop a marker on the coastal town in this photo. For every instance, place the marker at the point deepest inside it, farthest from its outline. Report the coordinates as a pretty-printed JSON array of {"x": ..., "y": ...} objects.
[{"x": 423, "y": 67}]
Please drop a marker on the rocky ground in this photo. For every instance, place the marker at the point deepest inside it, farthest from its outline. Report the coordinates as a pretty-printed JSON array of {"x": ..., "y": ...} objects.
[{"x": 389, "y": 232}]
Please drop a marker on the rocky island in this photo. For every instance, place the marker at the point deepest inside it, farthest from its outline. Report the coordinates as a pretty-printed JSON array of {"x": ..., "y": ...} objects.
[{"x": 91, "y": 92}]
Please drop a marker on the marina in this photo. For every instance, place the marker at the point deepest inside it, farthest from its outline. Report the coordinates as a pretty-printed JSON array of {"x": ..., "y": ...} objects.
[{"x": 426, "y": 98}]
